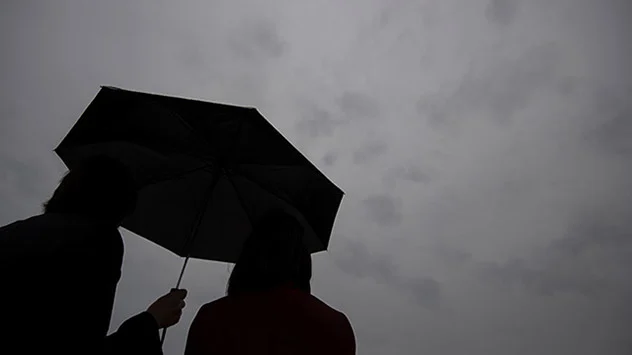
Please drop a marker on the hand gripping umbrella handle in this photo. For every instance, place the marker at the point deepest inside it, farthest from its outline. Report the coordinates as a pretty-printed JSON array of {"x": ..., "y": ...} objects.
[{"x": 184, "y": 266}]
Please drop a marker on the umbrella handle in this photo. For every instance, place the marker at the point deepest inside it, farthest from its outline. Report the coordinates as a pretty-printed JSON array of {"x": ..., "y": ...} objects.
[
  {"x": 162, "y": 336},
  {"x": 184, "y": 266}
]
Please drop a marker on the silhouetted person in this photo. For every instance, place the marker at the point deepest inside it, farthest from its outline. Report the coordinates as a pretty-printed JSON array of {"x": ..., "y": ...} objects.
[
  {"x": 269, "y": 309},
  {"x": 59, "y": 272}
]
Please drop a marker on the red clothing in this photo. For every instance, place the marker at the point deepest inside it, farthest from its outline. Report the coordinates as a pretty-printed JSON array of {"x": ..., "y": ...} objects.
[{"x": 277, "y": 322}]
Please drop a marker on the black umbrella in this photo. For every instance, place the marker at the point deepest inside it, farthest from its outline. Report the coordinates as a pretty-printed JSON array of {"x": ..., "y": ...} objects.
[{"x": 205, "y": 171}]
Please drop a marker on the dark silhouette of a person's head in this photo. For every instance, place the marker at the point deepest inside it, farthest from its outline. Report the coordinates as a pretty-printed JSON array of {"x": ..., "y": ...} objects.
[
  {"x": 98, "y": 187},
  {"x": 273, "y": 256}
]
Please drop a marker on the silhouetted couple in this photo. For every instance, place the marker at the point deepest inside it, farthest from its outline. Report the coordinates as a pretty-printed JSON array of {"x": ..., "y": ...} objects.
[{"x": 60, "y": 270}]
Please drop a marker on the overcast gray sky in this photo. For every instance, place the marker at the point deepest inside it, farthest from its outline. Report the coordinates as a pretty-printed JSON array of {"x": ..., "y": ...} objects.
[{"x": 485, "y": 147}]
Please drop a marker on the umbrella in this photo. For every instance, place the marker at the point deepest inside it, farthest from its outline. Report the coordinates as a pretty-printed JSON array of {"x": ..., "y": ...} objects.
[{"x": 205, "y": 171}]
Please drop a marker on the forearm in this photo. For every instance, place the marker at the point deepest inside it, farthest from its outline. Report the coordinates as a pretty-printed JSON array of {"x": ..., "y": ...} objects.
[{"x": 137, "y": 335}]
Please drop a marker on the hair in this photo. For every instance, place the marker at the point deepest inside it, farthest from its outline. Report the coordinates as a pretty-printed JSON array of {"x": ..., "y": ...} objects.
[
  {"x": 99, "y": 187},
  {"x": 273, "y": 256}
]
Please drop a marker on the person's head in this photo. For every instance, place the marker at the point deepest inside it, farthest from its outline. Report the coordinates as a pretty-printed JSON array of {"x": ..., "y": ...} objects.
[
  {"x": 99, "y": 187},
  {"x": 273, "y": 256}
]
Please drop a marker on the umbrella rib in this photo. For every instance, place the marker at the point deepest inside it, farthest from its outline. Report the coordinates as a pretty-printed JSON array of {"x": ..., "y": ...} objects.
[
  {"x": 277, "y": 196},
  {"x": 205, "y": 141},
  {"x": 275, "y": 165},
  {"x": 175, "y": 175},
  {"x": 289, "y": 203},
  {"x": 267, "y": 190},
  {"x": 200, "y": 139},
  {"x": 239, "y": 197},
  {"x": 200, "y": 215},
  {"x": 239, "y": 168}
]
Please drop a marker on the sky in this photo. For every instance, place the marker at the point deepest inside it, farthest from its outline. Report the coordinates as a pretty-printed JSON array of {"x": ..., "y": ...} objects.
[{"x": 484, "y": 147}]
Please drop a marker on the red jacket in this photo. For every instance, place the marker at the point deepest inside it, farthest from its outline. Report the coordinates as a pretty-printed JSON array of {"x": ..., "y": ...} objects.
[{"x": 277, "y": 322}]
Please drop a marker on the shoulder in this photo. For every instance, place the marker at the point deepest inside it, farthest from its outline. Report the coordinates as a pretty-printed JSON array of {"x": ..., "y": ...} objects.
[
  {"x": 216, "y": 306},
  {"x": 323, "y": 307},
  {"x": 212, "y": 314},
  {"x": 22, "y": 225},
  {"x": 61, "y": 226},
  {"x": 344, "y": 334},
  {"x": 334, "y": 317}
]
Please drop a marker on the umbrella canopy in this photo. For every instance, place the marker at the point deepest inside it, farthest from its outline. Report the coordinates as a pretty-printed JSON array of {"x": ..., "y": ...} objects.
[{"x": 205, "y": 171}]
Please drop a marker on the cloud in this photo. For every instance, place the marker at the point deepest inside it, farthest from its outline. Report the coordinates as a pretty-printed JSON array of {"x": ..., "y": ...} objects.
[
  {"x": 452, "y": 256},
  {"x": 330, "y": 158},
  {"x": 383, "y": 210},
  {"x": 369, "y": 151},
  {"x": 611, "y": 121},
  {"x": 435, "y": 110},
  {"x": 258, "y": 39},
  {"x": 426, "y": 291},
  {"x": 409, "y": 173},
  {"x": 592, "y": 232},
  {"x": 592, "y": 259},
  {"x": 496, "y": 91},
  {"x": 506, "y": 89},
  {"x": 502, "y": 12},
  {"x": 546, "y": 280},
  {"x": 356, "y": 259},
  {"x": 359, "y": 262},
  {"x": 357, "y": 105},
  {"x": 316, "y": 122}
]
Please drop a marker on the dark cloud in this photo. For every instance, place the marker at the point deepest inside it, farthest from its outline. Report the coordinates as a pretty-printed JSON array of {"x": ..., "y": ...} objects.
[
  {"x": 359, "y": 262},
  {"x": 606, "y": 117},
  {"x": 506, "y": 89},
  {"x": 592, "y": 259},
  {"x": 426, "y": 291},
  {"x": 568, "y": 85},
  {"x": 356, "y": 259},
  {"x": 435, "y": 112},
  {"x": 434, "y": 109},
  {"x": 383, "y": 209},
  {"x": 611, "y": 122},
  {"x": 592, "y": 232},
  {"x": 600, "y": 238},
  {"x": 498, "y": 91},
  {"x": 330, "y": 158},
  {"x": 398, "y": 16},
  {"x": 316, "y": 122},
  {"x": 547, "y": 280},
  {"x": 256, "y": 40},
  {"x": 358, "y": 105},
  {"x": 199, "y": 62},
  {"x": 409, "y": 173},
  {"x": 502, "y": 12},
  {"x": 369, "y": 152},
  {"x": 194, "y": 57},
  {"x": 452, "y": 256}
]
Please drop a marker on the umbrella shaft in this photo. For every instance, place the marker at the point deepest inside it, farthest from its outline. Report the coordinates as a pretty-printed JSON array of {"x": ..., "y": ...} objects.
[
  {"x": 192, "y": 237},
  {"x": 200, "y": 215},
  {"x": 184, "y": 266}
]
